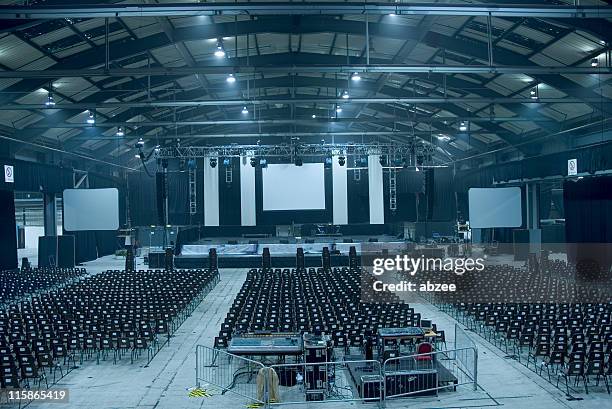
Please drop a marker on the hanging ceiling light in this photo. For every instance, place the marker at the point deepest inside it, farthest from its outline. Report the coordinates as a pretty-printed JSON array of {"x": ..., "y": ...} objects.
[
  {"x": 230, "y": 79},
  {"x": 463, "y": 126},
  {"x": 245, "y": 110},
  {"x": 90, "y": 118},
  {"x": 213, "y": 162},
  {"x": 220, "y": 51},
  {"x": 356, "y": 76},
  {"x": 594, "y": 62},
  {"x": 120, "y": 132},
  {"x": 313, "y": 116},
  {"x": 534, "y": 92},
  {"x": 50, "y": 101},
  {"x": 140, "y": 142},
  {"x": 338, "y": 108},
  {"x": 345, "y": 95},
  {"x": 157, "y": 148},
  {"x": 341, "y": 160}
]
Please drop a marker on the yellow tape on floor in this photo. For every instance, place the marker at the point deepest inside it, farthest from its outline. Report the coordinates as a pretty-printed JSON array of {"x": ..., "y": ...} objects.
[{"x": 199, "y": 393}]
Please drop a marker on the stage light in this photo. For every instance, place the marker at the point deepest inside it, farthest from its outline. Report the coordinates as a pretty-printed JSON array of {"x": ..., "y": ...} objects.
[
  {"x": 313, "y": 116},
  {"x": 338, "y": 109},
  {"x": 356, "y": 76},
  {"x": 362, "y": 161},
  {"x": 230, "y": 78},
  {"x": 345, "y": 95},
  {"x": 227, "y": 162},
  {"x": 213, "y": 162},
  {"x": 383, "y": 160},
  {"x": 50, "y": 101},
  {"x": 137, "y": 156},
  {"x": 594, "y": 62},
  {"x": 120, "y": 132},
  {"x": 253, "y": 162},
  {"x": 534, "y": 92},
  {"x": 157, "y": 149},
  {"x": 140, "y": 142},
  {"x": 463, "y": 126},
  {"x": 263, "y": 163},
  {"x": 90, "y": 118},
  {"x": 220, "y": 51},
  {"x": 341, "y": 160},
  {"x": 298, "y": 161},
  {"x": 245, "y": 110},
  {"x": 328, "y": 162}
]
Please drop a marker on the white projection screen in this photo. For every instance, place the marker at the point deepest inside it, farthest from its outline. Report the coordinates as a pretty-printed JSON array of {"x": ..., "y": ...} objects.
[
  {"x": 290, "y": 187},
  {"x": 91, "y": 209},
  {"x": 495, "y": 207}
]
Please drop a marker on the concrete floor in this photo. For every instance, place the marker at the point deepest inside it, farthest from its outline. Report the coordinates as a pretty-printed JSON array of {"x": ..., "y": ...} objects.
[{"x": 165, "y": 382}]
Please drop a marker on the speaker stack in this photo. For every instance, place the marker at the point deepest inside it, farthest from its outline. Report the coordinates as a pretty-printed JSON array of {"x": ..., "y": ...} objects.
[
  {"x": 266, "y": 261},
  {"x": 353, "y": 257},
  {"x": 326, "y": 258},
  {"x": 317, "y": 351},
  {"x": 299, "y": 259},
  {"x": 212, "y": 259}
]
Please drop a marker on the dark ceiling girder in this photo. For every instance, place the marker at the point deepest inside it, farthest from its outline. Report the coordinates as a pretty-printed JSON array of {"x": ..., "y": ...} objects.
[{"x": 45, "y": 11}]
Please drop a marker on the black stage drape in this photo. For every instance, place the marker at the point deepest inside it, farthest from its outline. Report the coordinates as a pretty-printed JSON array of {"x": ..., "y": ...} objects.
[
  {"x": 588, "y": 219},
  {"x": 8, "y": 233}
]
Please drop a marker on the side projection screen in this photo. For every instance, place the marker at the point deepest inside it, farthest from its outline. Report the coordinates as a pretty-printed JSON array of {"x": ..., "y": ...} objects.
[
  {"x": 290, "y": 187},
  {"x": 495, "y": 207},
  {"x": 91, "y": 209}
]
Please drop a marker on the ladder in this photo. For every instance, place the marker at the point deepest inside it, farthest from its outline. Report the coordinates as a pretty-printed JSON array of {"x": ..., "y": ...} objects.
[
  {"x": 193, "y": 192},
  {"x": 392, "y": 189}
]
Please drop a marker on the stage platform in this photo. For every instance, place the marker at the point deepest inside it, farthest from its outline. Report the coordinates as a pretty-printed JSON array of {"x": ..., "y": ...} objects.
[{"x": 248, "y": 255}]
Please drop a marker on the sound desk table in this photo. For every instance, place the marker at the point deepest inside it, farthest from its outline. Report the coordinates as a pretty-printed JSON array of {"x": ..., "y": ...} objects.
[{"x": 279, "y": 344}]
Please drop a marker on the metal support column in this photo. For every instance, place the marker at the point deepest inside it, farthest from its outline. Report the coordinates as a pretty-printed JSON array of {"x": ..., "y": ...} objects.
[{"x": 49, "y": 214}]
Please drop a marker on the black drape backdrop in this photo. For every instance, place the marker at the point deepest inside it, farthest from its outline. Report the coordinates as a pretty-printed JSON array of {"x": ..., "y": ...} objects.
[
  {"x": 588, "y": 219},
  {"x": 8, "y": 236}
]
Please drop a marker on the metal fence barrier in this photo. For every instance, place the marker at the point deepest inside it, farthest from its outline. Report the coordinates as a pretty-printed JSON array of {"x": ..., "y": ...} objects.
[
  {"x": 230, "y": 373},
  {"x": 464, "y": 341},
  {"x": 342, "y": 381},
  {"x": 429, "y": 373}
]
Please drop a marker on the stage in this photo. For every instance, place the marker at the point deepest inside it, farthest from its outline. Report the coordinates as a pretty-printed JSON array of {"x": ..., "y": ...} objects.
[{"x": 234, "y": 254}]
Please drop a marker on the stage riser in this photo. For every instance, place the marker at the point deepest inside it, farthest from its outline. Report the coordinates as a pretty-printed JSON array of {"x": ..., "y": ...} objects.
[{"x": 255, "y": 261}]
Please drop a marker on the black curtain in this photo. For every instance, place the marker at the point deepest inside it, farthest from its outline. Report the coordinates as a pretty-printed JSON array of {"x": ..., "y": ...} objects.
[
  {"x": 357, "y": 195},
  {"x": 178, "y": 197},
  {"x": 8, "y": 231},
  {"x": 588, "y": 219},
  {"x": 444, "y": 206},
  {"x": 85, "y": 246},
  {"x": 142, "y": 199}
]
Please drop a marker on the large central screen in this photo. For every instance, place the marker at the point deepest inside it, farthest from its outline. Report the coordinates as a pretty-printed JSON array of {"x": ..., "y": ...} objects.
[
  {"x": 290, "y": 187},
  {"x": 91, "y": 209},
  {"x": 495, "y": 207}
]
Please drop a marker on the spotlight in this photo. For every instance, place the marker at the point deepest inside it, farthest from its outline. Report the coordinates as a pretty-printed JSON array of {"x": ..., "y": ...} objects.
[
  {"x": 230, "y": 78},
  {"x": 120, "y": 132},
  {"x": 463, "y": 126},
  {"x": 263, "y": 163},
  {"x": 182, "y": 164},
  {"x": 362, "y": 162},
  {"x": 90, "y": 118},
  {"x": 140, "y": 142},
  {"x": 345, "y": 95},
  {"x": 245, "y": 110},
  {"x": 594, "y": 62},
  {"x": 338, "y": 109},
  {"x": 220, "y": 52},
  {"x": 313, "y": 116},
  {"x": 383, "y": 160},
  {"x": 253, "y": 162},
  {"x": 157, "y": 149},
  {"x": 213, "y": 162},
  {"x": 341, "y": 160},
  {"x": 356, "y": 76},
  {"x": 137, "y": 156},
  {"x": 50, "y": 101},
  {"x": 298, "y": 161},
  {"x": 227, "y": 162},
  {"x": 191, "y": 163},
  {"x": 534, "y": 92}
]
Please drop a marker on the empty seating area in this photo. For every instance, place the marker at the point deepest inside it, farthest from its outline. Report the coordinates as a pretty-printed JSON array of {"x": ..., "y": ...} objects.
[
  {"x": 16, "y": 284},
  {"x": 568, "y": 343},
  {"x": 114, "y": 314},
  {"x": 325, "y": 300}
]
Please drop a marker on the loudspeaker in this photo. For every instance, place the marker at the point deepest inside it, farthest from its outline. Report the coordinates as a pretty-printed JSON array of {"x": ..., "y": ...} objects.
[
  {"x": 299, "y": 259},
  {"x": 157, "y": 259},
  {"x": 161, "y": 188},
  {"x": 212, "y": 259},
  {"x": 266, "y": 262},
  {"x": 8, "y": 236},
  {"x": 326, "y": 259},
  {"x": 56, "y": 251}
]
